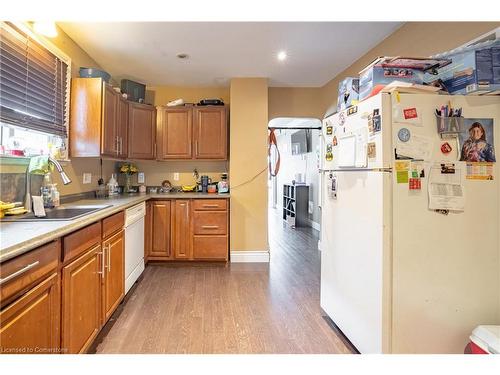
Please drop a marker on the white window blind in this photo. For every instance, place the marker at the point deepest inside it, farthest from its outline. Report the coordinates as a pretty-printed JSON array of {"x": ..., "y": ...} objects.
[{"x": 33, "y": 83}]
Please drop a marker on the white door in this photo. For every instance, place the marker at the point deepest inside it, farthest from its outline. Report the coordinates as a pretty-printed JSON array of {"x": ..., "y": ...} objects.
[{"x": 354, "y": 250}]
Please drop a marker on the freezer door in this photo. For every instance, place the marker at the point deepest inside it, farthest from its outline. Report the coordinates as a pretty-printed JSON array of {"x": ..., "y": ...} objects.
[
  {"x": 358, "y": 137},
  {"x": 354, "y": 257},
  {"x": 446, "y": 267}
]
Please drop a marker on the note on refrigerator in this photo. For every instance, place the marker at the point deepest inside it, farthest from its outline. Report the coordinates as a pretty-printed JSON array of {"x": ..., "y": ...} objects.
[
  {"x": 347, "y": 151},
  {"x": 447, "y": 186},
  {"x": 417, "y": 147}
]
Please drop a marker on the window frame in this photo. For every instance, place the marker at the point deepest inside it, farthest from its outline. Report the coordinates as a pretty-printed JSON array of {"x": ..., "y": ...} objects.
[{"x": 26, "y": 27}]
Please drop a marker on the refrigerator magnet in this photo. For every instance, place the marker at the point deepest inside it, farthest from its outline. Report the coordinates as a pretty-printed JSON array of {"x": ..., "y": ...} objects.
[
  {"x": 446, "y": 148},
  {"x": 329, "y": 130},
  {"x": 404, "y": 134},
  {"x": 372, "y": 150}
]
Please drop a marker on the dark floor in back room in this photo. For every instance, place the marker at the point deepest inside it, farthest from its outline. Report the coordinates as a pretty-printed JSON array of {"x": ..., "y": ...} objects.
[{"x": 234, "y": 308}]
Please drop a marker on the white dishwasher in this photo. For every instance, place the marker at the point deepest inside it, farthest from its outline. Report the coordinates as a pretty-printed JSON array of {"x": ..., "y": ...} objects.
[{"x": 134, "y": 243}]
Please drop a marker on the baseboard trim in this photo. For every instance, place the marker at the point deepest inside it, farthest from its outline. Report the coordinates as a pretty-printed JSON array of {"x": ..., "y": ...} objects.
[
  {"x": 315, "y": 225},
  {"x": 252, "y": 256}
]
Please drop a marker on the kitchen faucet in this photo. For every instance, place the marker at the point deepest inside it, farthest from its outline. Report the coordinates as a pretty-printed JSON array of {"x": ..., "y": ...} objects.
[{"x": 27, "y": 196}]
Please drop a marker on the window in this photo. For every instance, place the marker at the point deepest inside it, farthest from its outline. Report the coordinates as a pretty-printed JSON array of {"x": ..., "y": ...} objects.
[{"x": 34, "y": 94}]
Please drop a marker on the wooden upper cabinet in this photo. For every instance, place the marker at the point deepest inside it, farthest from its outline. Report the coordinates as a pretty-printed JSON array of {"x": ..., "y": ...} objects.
[
  {"x": 210, "y": 132},
  {"x": 122, "y": 127},
  {"x": 30, "y": 325},
  {"x": 114, "y": 274},
  {"x": 95, "y": 125},
  {"x": 141, "y": 131},
  {"x": 109, "y": 134},
  {"x": 182, "y": 230},
  {"x": 175, "y": 129},
  {"x": 160, "y": 221}
]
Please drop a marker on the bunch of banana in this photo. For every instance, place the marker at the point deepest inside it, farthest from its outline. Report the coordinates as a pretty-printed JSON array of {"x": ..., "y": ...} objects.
[
  {"x": 188, "y": 187},
  {"x": 11, "y": 209}
]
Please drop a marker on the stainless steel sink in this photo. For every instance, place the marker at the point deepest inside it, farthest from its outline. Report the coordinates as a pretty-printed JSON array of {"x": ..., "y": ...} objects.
[{"x": 58, "y": 214}]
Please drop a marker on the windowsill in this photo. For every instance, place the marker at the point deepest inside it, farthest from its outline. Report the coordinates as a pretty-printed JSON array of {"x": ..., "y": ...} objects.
[{"x": 22, "y": 160}]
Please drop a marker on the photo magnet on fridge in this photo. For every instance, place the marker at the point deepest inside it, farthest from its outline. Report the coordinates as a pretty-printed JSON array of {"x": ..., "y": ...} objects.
[{"x": 477, "y": 141}]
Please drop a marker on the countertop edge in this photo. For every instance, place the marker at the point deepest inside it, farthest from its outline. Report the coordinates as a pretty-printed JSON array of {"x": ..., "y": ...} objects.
[{"x": 73, "y": 225}]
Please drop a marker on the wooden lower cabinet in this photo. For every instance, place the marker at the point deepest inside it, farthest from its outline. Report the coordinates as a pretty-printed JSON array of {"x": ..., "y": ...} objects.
[
  {"x": 114, "y": 274},
  {"x": 160, "y": 220},
  {"x": 181, "y": 232},
  {"x": 81, "y": 301},
  {"x": 30, "y": 325},
  {"x": 210, "y": 247}
]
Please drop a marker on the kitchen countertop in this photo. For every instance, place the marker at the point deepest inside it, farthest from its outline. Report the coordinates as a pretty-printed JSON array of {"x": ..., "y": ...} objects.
[{"x": 20, "y": 237}]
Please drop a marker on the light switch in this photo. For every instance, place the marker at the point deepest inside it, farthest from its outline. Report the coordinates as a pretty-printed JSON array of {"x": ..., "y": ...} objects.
[
  {"x": 140, "y": 177},
  {"x": 87, "y": 178},
  {"x": 176, "y": 176}
]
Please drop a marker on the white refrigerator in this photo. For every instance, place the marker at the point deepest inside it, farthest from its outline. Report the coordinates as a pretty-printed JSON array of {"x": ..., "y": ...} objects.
[{"x": 397, "y": 276}]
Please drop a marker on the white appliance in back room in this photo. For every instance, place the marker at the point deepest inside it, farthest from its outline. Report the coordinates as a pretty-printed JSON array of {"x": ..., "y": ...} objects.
[
  {"x": 396, "y": 275},
  {"x": 134, "y": 244}
]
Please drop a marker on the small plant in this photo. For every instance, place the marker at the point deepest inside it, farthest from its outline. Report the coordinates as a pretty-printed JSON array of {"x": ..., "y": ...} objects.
[{"x": 128, "y": 168}]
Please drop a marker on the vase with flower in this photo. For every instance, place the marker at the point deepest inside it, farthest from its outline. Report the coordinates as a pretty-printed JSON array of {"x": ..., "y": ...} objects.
[{"x": 128, "y": 169}]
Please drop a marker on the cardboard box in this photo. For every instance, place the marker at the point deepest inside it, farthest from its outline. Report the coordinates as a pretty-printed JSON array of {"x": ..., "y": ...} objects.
[
  {"x": 385, "y": 70},
  {"x": 473, "y": 70},
  {"x": 348, "y": 93}
]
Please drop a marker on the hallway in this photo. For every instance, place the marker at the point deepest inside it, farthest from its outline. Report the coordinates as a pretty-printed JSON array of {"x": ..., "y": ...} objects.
[{"x": 234, "y": 308}]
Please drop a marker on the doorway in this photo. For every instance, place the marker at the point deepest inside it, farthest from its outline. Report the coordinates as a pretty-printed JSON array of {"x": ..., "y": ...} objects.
[{"x": 293, "y": 184}]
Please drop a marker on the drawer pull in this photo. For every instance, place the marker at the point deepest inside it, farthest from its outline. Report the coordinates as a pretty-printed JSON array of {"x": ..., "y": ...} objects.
[
  {"x": 210, "y": 226},
  {"x": 211, "y": 205},
  {"x": 19, "y": 272}
]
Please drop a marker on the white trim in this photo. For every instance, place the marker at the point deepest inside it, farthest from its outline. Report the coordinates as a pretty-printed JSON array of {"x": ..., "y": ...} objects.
[
  {"x": 315, "y": 225},
  {"x": 252, "y": 256}
]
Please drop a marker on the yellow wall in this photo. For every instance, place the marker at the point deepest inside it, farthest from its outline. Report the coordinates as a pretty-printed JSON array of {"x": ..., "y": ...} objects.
[
  {"x": 412, "y": 39},
  {"x": 248, "y": 145},
  {"x": 295, "y": 102}
]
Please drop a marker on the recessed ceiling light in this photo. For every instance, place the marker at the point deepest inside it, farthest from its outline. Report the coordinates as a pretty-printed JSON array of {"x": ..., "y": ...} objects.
[
  {"x": 282, "y": 56},
  {"x": 182, "y": 56}
]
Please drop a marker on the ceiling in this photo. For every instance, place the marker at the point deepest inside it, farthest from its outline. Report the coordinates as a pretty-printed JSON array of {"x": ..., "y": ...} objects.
[{"x": 146, "y": 51}]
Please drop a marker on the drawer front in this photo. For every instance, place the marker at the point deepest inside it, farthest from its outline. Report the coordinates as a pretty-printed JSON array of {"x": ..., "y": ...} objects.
[
  {"x": 78, "y": 242},
  {"x": 113, "y": 224},
  {"x": 213, "y": 204},
  {"x": 210, "y": 222},
  {"x": 18, "y": 274},
  {"x": 210, "y": 247}
]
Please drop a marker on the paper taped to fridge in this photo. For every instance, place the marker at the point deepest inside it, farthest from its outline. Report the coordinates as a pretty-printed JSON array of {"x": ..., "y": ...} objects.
[{"x": 447, "y": 186}]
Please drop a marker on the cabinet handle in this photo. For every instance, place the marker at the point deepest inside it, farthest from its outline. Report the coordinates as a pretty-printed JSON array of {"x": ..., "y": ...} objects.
[
  {"x": 196, "y": 148},
  {"x": 210, "y": 226},
  {"x": 117, "y": 145},
  {"x": 121, "y": 146},
  {"x": 19, "y": 272},
  {"x": 211, "y": 205},
  {"x": 109, "y": 258},
  {"x": 101, "y": 253}
]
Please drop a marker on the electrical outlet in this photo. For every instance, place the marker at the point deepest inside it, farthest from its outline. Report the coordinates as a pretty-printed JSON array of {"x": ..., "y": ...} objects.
[
  {"x": 140, "y": 177},
  {"x": 176, "y": 176},
  {"x": 87, "y": 178}
]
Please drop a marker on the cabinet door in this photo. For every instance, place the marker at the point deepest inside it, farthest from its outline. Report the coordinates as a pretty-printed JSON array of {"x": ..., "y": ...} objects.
[
  {"x": 30, "y": 325},
  {"x": 141, "y": 131},
  {"x": 175, "y": 129},
  {"x": 210, "y": 133},
  {"x": 114, "y": 276},
  {"x": 81, "y": 301},
  {"x": 109, "y": 136},
  {"x": 148, "y": 231},
  {"x": 160, "y": 244},
  {"x": 182, "y": 230},
  {"x": 122, "y": 127}
]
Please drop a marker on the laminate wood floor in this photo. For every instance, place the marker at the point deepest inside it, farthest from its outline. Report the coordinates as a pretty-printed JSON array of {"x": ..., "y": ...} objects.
[{"x": 234, "y": 308}]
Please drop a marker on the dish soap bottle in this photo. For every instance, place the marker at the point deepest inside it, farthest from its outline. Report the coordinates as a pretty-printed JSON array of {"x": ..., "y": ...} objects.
[
  {"x": 55, "y": 195},
  {"x": 45, "y": 191},
  {"x": 112, "y": 186}
]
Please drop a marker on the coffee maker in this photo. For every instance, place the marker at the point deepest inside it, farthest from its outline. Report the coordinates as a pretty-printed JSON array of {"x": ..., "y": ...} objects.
[{"x": 205, "y": 181}]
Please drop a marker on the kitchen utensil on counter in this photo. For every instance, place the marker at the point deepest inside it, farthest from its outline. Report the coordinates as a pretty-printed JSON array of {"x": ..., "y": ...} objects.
[
  {"x": 205, "y": 181},
  {"x": 223, "y": 185}
]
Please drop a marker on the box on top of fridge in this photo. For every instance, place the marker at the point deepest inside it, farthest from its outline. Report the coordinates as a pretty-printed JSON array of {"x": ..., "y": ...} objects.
[
  {"x": 385, "y": 70},
  {"x": 348, "y": 93},
  {"x": 474, "y": 69}
]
